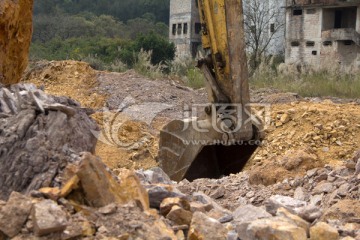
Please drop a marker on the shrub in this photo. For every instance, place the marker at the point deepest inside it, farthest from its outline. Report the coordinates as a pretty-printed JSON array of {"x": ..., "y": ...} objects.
[
  {"x": 162, "y": 50},
  {"x": 195, "y": 78},
  {"x": 144, "y": 66}
]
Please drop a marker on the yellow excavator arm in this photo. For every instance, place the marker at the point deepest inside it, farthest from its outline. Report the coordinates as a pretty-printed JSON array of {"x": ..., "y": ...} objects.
[
  {"x": 218, "y": 144},
  {"x": 223, "y": 38}
]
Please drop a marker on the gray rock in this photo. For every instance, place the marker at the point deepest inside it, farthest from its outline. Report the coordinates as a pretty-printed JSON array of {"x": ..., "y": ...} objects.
[
  {"x": 357, "y": 167},
  {"x": 299, "y": 194},
  {"x": 14, "y": 214},
  {"x": 232, "y": 235},
  {"x": 36, "y": 146},
  {"x": 277, "y": 201},
  {"x": 108, "y": 209},
  {"x": 270, "y": 228},
  {"x": 204, "y": 227},
  {"x": 218, "y": 193},
  {"x": 343, "y": 190},
  {"x": 157, "y": 175},
  {"x": 315, "y": 200},
  {"x": 310, "y": 213},
  {"x": 204, "y": 199},
  {"x": 312, "y": 172},
  {"x": 226, "y": 219},
  {"x": 158, "y": 193},
  {"x": 331, "y": 178},
  {"x": 249, "y": 213},
  {"x": 342, "y": 171},
  {"x": 321, "y": 177},
  {"x": 323, "y": 187},
  {"x": 48, "y": 217}
]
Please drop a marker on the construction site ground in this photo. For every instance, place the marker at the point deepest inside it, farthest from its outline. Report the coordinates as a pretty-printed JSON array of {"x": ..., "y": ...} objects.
[
  {"x": 301, "y": 183},
  {"x": 319, "y": 131}
]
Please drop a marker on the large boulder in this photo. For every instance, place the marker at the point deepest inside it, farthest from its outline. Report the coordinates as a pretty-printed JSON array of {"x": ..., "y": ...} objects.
[
  {"x": 15, "y": 38},
  {"x": 40, "y": 136}
]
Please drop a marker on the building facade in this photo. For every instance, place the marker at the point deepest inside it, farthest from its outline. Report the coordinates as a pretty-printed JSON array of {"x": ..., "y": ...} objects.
[
  {"x": 320, "y": 31},
  {"x": 185, "y": 27},
  {"x": 265, "y": 25}
]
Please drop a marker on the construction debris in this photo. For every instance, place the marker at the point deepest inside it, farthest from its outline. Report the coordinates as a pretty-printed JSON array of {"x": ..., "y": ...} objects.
[
  {"x": 48, "y": 217},
  {"x": 14, "y": 214},
  {"x": 291, "y": 192},
  {"x": 40, "y": 135}
]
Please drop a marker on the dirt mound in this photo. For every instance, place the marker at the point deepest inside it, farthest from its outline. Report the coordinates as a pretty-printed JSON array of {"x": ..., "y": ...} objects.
[
  {"x": 134, "y": 107},
  {"x": 131, "y": 110},
  {"x": 305, "y": 135},
  {"x": 67, "y": 78},
  {"x": 300, "y": 176}
]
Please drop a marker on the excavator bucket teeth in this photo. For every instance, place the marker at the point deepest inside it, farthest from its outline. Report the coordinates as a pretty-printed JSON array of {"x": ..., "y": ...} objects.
[{"x": 188, "y": 154}]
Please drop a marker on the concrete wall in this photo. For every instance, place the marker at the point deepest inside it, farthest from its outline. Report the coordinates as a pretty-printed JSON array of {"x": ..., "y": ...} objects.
[
  {"x": 184, "y": 12},
  {"x": 314, "y": 47},
  {"x": 277, "y": 44},
  {"x": 304, "y": 29}
]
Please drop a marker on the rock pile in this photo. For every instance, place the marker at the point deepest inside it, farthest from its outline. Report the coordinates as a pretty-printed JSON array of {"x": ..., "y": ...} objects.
[
  {"x": 39, "y": 136},
  {"x": 302, "y": 136},
  {"x": 52, "y": 187},
  {"x": 325, "y": 200},
  {"x": 96, "y": 204},
  {"x": 15, "y": 38}
]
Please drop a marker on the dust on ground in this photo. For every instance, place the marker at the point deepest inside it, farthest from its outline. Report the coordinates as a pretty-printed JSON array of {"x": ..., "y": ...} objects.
[{"x": 304, "y": 133}]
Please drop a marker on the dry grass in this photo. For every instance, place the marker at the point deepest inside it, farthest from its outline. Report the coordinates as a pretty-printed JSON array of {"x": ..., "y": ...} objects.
[
  {"x": 184, "y": 69},
  {"x": 144, "y": 67},
  {"x": 328, "y": 80}
]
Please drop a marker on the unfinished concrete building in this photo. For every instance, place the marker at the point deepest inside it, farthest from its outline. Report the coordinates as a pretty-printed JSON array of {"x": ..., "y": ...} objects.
[
  {"x": 185, "y": 27},
  {"x": 323, "y": 32}
]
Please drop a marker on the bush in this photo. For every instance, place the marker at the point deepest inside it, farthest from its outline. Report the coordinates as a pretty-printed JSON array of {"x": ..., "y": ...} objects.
[
  {"x": 195, "y": 78},
  {"x": 162, "y": 50},
  {"x": 144, "y": 66},
  {"x": 95, "y": 63},
  {"x": 117, "y": 66}
]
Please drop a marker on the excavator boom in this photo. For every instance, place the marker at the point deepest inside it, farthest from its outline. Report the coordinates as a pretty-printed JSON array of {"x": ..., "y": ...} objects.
[{"x": 219, "y": 143}]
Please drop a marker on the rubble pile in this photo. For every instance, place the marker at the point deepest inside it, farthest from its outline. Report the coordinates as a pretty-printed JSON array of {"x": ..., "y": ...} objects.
[
  {"x": 53, "y": 187},
  {"x": 326, "y": 130},
  {"x": 302, "y": 136},
  {"x": 39, "y": 136},
  {"x": 94, "y": 203},
  {"x": 15, "y": 38}
]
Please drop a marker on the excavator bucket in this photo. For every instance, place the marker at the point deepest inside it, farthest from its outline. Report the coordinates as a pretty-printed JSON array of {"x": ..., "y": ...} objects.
[
  {"x": 186, "y": 153},
  {"x": 196, "y": 148}
]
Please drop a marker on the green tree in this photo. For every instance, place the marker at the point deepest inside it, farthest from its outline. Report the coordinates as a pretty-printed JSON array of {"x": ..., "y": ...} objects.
[{"x": 162, "y": 49}]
